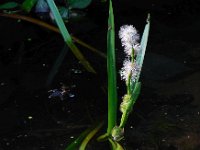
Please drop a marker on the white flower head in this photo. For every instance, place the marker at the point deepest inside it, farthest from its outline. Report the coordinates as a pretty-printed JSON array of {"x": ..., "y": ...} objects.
[
  {"x": 129, "y": 38},
  {"x": 130, "y": 68},
  {"x": 126, "y": 69}
]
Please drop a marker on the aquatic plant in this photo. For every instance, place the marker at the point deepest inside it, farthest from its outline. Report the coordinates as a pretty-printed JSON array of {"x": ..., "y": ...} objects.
[
  {"x": 130, "y": 73},
  {"x": 11, "y": 9}
]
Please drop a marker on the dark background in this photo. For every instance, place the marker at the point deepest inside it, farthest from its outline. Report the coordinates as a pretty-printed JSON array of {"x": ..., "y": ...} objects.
[{"x": 167, "y": 113}]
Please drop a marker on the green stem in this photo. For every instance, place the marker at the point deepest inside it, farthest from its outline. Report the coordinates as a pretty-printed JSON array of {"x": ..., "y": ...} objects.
[
  {"x": 131, "y": 101},
  {"x": 128, "y": 82},
  {"x": 123, "y": 119}
]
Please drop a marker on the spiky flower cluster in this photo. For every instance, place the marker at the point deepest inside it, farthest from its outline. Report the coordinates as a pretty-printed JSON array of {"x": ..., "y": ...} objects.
[{"x": 129, "y": 38}]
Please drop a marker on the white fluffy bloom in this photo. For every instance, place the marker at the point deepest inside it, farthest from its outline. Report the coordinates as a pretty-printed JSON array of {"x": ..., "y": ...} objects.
[
  {"x": 135, "y": 72},
  {"x": 129, "y": 38},
  {"x": 126, "y": 69},
  {"x": 129, "y": 68}
]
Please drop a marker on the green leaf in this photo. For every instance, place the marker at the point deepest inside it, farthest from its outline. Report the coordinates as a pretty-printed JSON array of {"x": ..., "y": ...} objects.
[
  {"x": 9, "y": 5},
  {"x": 27, "y": 5},
  {"x": 111, "y": 69},
  {"x": 90, "y": 136},
  {"x": 144, "y": 40},
  {"x": 115, "y": 145},
  {"x": 140, "y": 55},
  {"x": 129, "y": 105},
  {"x": 67, "y": 38},
  {"x": 80, "y": 4},
  {"x": 57, "y": 65},
  {"x": 74, "y": 145}
]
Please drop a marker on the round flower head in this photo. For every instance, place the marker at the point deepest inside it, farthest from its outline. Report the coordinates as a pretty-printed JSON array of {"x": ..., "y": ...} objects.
[{"x": 129, "y": 38}]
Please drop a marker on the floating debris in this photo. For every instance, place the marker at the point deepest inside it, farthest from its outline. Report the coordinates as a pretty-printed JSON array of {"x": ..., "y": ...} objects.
[
  {"x": 57, "y": 93},
  {"x": 71, "y": 137},
  {"x": 76, "y": 71},
  {"x": 30, "y": 117},
  {"x": 62, "y": 92},
  {"x": 71, "y": 95}
]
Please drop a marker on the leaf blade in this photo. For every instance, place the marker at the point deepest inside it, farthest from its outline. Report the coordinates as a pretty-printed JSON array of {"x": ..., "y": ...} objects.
[
  {"x": 111, "y": 66},
  {"x": 67, "y": 38},
  {"x": 27, "y": 5},
  {"x": 9, "y": 5}
]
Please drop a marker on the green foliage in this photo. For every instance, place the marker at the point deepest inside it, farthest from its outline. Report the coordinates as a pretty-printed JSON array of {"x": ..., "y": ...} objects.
[
  {"x": 57, "y": 65},
  {"x": 111, "y": 69},
  {"x": 67, "y": 38},
  {"x": 144, "y": 40},
  {"x": 82, "y": 141},
  {"x": 133, "y": 86},
  {"x": 89, "y": 136},
  {"x": 115, "y": 145},
  {"x": 27, "y": 5},
  {"x": 9, "y": 5},
  {"x": 80, "y": 4},
  {"x": 127, "y": 104},
  {"x": 75, "y": 144}
]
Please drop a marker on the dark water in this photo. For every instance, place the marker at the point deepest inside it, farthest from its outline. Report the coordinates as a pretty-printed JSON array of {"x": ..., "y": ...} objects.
[{"x": 167, "y": 113}]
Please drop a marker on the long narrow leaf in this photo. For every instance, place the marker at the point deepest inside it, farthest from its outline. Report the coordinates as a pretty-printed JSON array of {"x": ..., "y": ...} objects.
[
  {"x": 90, "y": 136},
  {"x": 67, "y": 38},
  {"x": 140, "y": 56},
  {"x": 75, "y": 144},
  {"x": 111, "y": 66}
]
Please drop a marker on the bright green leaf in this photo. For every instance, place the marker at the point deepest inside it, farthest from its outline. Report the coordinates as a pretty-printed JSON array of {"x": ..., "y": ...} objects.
[
  {"x": 27, "y": 5},
  {"x": 111, "y": 69}
]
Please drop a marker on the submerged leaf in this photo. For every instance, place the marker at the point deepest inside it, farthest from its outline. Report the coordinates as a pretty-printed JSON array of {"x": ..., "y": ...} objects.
[
  {"x": 80, "y": 4},
  {"x": 9, "y": 5},
  {"x": 41, "y": 6}
]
